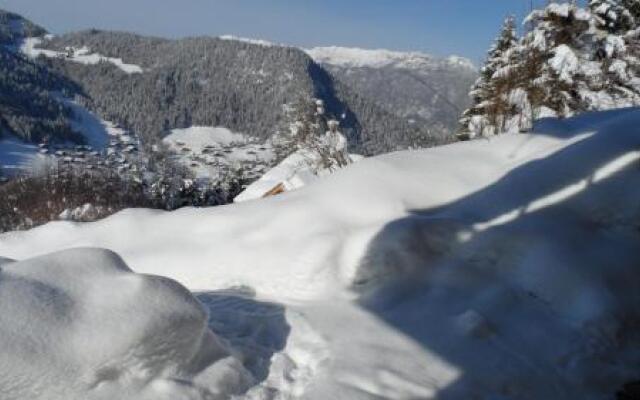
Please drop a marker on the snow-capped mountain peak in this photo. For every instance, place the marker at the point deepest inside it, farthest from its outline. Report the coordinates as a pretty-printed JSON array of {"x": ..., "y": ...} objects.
[{"x": 379, "y": 58}]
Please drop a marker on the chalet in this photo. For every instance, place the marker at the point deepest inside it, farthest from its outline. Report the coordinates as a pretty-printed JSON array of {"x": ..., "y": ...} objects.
[{"x": 296, "y": 171}]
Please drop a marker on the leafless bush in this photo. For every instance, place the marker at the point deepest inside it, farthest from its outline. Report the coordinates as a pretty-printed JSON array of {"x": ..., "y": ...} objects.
[{"x": 29, "y": 201}]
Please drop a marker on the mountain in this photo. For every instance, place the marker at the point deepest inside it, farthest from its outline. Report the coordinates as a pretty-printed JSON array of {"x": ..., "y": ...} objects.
[
  {"x": 28, "y": 107},
  {"x": 418, "y": 87},
  {"x": 238, "y": 84},
  {"x": 14, "y": 27},
  {"x": 152, "y": 85}
]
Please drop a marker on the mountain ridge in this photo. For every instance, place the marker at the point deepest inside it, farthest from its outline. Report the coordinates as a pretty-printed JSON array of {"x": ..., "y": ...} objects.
[
  {"x": 241, "y": 84},
  {"x": 363, "y": 57}
]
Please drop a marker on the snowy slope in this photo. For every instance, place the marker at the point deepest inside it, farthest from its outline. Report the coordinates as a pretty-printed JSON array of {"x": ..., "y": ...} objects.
[
  {"x": 82, "y": 55},
  {"x": 19, "y": 157},
  {"x": 510, "y": 275},
  {"x": 210, "y": 152}
]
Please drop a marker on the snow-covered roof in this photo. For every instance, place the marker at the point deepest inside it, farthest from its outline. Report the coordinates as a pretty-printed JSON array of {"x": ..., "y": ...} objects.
[{"x": 293, "y": 172}]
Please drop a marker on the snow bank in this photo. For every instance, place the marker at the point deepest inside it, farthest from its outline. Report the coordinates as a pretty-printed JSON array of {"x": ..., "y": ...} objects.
[
  {"x": 80, "y": 325},
  {"x": 82, "y": 56},
  {"x": 421, "y": 273}
]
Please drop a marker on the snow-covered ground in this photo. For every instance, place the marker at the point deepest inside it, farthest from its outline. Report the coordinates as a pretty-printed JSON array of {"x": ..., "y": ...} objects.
[
  {"x": 96, "y": 131},
  {"x": 210, "y": 151},
  {"x": 503, "y": 268},
  {"x": 82, "y": 55}
]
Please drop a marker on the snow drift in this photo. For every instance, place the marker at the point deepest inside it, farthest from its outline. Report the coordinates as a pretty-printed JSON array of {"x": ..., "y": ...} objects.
[
  {"x": 502, "y": 268},
  {"x": 80, "y": 325}
]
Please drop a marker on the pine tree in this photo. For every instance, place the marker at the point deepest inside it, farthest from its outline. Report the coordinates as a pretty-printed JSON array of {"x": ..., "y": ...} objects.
[
  {"x": 613, "y": 15},
  {"x": 573, "y": 59},
  {"x": 310, "y": 132},
  {"x": 484, "y": 116},
  {"x": 616, "y": 48},
  {"x": 633, "y": 6}
]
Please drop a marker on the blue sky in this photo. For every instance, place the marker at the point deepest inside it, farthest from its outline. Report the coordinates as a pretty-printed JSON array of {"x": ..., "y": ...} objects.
[{"x": 441, "y": 27}]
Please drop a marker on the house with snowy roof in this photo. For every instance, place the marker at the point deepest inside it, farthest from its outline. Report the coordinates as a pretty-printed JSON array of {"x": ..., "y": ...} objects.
[{"x": 298, "y": 170}]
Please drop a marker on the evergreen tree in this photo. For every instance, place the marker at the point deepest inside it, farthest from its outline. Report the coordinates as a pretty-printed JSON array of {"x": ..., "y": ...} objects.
[
  {"x": 612, "y": 15},
  {"x": 554, "y": 50},
  {"x": 573, "y": 59},
  {"x": 484, "y": 116},
  {"x": 313, "y": 135}
]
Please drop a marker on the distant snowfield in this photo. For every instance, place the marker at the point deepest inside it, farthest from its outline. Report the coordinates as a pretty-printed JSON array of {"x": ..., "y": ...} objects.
[
  {"x": 503, "y": 268},
  {"x": 359, "y": 58},
  {"x": 204, "y": 149},
  {"x": 82, "y": 56},
  {"x": 197, "y": 137}
]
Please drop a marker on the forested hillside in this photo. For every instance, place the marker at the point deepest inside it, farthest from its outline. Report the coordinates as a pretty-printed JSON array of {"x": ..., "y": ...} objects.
[
  {"x": 421, "y": 88},
  {"x": 215, "y": 82},
  {"x": 28, "y": 107}
]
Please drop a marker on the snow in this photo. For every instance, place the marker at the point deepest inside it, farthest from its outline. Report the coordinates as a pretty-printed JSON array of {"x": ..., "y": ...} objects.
[
  {"x": 19, "y": 157},
  {"x": 561, "y": 10},
  {"x": 565, "y": 63},
  {"x": 197, "y": 137},
  {"x": 408, "y": 275},
  {"x": 614, "y": 45},
  {"x": 205, "y": 149},
  {"x": 258, "y": 42},
  {"x": 293, "y": 172},
  {"x": 79, "y": 324},
  {"x": 86, "y": 212},
  {"x": 300, "y": 168},
  {"x": 81, "y": 55},
  {"x": 360, "y": 58},
  {"x": 95, "y": 130}
]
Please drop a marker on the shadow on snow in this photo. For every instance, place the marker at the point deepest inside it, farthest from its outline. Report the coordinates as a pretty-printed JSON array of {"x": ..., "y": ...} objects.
[{"x": 529, "y": 287}]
